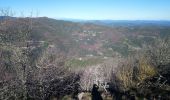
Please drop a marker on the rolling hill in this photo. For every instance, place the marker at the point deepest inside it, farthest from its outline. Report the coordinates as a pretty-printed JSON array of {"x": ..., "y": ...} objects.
[{"x": 95, "y": 37}]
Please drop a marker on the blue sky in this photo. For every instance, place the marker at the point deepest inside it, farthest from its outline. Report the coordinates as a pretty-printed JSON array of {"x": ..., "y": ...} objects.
[{"x": 93, "y": 9}]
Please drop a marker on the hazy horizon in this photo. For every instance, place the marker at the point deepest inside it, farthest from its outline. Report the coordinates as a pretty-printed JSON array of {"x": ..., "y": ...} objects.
[
  {"x": 108, "y": 19},
  {"x": 92, "y": 9}
]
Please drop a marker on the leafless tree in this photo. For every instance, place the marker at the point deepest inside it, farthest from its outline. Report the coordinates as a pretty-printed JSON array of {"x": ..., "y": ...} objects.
[
  {"x": 14, "y": 33},
  {"x": 98, "y": 74},
  {"x": 25, "y": 74}
]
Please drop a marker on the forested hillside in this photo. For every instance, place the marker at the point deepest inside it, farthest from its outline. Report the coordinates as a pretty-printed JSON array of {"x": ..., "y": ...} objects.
[{"x": 44, "y": 58}]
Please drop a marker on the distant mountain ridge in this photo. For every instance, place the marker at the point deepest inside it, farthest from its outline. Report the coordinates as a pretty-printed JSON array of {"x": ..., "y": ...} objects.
[
  {"x": 119, "y": 22},
  {"x": 131, "y": 22}
]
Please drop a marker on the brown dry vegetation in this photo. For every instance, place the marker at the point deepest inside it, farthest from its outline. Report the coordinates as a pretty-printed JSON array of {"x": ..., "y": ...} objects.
[{"x": 146, "y": 73}]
